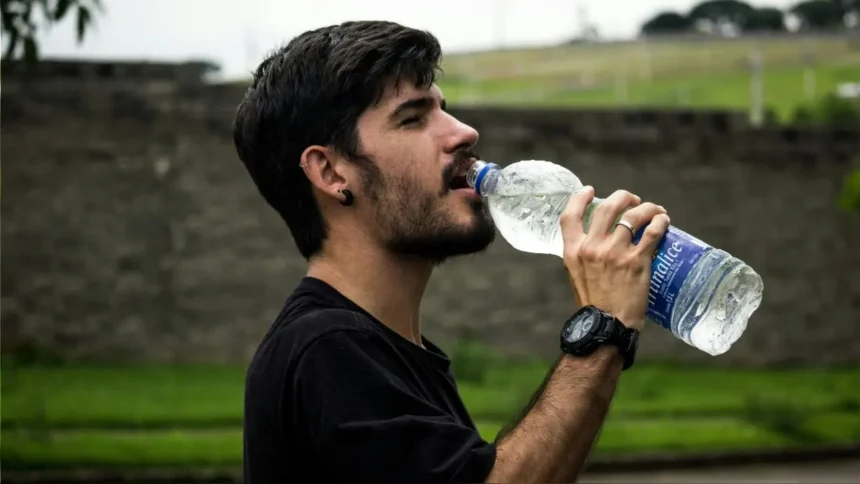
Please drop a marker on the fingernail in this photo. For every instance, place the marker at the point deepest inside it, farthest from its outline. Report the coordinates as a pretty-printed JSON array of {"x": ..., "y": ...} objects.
[{"x": 661, "y": 208}]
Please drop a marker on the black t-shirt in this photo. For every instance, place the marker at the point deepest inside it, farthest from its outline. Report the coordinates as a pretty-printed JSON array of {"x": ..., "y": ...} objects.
[{"x": 333, "y": 394}]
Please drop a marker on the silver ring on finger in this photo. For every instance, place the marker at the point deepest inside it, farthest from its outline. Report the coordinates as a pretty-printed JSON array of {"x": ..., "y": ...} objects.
[{"x": 628, "y": 226}]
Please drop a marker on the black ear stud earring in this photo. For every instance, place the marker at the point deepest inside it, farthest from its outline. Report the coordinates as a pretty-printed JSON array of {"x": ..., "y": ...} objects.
[{"x": 347, "y": 197}]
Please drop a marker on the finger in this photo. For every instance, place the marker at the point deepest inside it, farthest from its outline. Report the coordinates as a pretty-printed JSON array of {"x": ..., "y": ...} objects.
[
  {"x": 571, "y": 216},
  {"x": 653, "y": 235},
  {"x": 638, "y": 217},
  {"x": 609, "y": 210}
]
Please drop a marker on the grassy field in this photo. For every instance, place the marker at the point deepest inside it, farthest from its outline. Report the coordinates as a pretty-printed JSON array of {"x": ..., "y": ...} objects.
[
  {"x": 223, "y": 447},
  {"x": 204, "y": 396},
  {"x": 643, "y": 59},
  {"x": 185, "y": 416},
  {"x": 697, "y": 74},
  {"x": 692, "y": 73}
]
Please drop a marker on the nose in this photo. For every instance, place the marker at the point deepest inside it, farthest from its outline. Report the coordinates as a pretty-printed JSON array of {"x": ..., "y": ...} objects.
[{"x": 460, "y": 135}]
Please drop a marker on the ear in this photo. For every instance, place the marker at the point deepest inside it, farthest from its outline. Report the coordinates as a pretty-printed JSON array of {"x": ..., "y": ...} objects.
[{"x": 325, "y": 170}]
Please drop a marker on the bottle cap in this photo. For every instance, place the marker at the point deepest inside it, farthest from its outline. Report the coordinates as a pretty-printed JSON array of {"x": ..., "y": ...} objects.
[{"x": 478, "y": 172}]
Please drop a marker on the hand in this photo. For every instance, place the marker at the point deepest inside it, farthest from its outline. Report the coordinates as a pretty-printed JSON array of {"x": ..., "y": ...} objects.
[{"x": 606, "y": 269}]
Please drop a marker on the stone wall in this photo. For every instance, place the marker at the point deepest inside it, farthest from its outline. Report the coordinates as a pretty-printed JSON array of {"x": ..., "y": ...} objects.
[{"x": 131, "y": 231}]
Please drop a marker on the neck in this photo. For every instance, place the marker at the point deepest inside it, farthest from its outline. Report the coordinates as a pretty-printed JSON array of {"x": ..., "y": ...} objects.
[{"x": 385, "y": 285}]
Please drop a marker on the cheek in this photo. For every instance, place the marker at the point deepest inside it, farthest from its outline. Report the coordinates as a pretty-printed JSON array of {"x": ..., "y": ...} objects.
[
  {"x": 411, "y": 169},
  {"x": 419, "y": 157},
  {"x": 421, "y": 181}
]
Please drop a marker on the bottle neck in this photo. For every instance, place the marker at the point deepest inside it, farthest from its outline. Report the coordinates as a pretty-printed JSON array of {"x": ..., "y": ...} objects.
[{"x": 482, "y": 177}]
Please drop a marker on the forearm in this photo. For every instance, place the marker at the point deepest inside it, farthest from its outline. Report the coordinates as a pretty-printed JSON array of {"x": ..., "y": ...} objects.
[{"x": 554, "y": 438}]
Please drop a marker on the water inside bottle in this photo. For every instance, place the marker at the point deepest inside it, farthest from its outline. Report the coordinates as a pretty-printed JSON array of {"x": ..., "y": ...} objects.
[
  {"x": 716, "y": 302},
  {"x": 526, "y": 204}
]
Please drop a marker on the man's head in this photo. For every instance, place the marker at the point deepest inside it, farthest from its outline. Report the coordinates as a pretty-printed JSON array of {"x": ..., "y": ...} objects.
[{"x": 355, "y": 107}]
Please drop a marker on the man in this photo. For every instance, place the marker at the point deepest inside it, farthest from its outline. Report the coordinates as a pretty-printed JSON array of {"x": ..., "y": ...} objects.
[{"x": 346, "y": 135}]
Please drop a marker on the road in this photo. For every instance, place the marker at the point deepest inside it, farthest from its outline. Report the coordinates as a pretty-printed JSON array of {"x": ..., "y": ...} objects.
[{"x": 839, "y": 472}]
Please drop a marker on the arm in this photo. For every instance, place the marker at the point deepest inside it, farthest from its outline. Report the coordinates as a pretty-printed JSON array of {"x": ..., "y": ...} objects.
[{"x": 552, "y": 439}]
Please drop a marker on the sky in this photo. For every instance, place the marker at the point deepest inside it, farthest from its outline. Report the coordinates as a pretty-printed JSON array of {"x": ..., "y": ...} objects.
[{"x": 236, "y": 34}]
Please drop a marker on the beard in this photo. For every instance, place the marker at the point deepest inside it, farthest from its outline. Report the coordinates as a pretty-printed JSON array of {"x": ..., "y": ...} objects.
[
  {"x": 425, "y": 233},
  {"x": 415, "y": 226}
]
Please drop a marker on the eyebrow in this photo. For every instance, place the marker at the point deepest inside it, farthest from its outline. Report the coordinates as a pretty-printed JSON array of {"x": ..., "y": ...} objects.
[{"x": 416, "y": 103}]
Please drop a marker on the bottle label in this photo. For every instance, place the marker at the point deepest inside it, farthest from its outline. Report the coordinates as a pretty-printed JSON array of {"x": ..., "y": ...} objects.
[{"x": 675, "y": 257}]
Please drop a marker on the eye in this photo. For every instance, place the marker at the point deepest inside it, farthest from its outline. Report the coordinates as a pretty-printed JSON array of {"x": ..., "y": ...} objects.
[{"x": 411, "y": 120}]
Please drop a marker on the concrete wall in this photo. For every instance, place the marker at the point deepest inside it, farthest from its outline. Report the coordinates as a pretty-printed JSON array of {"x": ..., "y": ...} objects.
[{"x": 131, "y": 231}]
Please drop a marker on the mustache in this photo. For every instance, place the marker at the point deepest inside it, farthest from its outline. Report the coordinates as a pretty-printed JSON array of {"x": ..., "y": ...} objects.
[{"x": 461, "y": 159}]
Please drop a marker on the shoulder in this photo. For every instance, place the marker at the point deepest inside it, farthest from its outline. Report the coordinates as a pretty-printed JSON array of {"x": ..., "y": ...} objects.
[
  {"x": 316, "y": 331},
  {"x": 320, "y": 323},
  {"x": 338, "y": 340}
]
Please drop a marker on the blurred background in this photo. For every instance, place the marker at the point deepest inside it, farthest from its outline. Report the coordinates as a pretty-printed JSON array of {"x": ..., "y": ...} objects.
[{"x": 140, "y": 267}]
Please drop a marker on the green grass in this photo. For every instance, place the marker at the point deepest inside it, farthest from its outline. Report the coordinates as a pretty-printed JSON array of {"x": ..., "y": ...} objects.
[
  {"x": 602, "y": 62},
  {"x": 210, "y": 396},
  {"x": 187, "y": 416},
  {"x": 697, "y": 435},
  {"x": 178, "y": 448},
  {"x": 123, "y": 396},
  {"x": 213, "y": 395},
  {"x": 783, "y": 89},
  {"x": 186, "y": 448},
  {"x": 698, "y": 74},
  {"x": 653, "y": 391}
]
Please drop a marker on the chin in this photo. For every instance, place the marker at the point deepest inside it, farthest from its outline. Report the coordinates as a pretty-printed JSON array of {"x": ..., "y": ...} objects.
[
  {"x": 438, "y": 233},
  {"x": 481, "y": 215},
  {"x": 459, "y": 239},
  {"x": 475, "y": 212},
  {"x": 477, "y": 233}
]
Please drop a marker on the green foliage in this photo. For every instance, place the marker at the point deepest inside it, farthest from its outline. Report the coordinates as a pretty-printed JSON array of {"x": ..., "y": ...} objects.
[
  {"x": 666, "y": 22},
  {"x": 19, "y": 22},
  {"x": 130, "y": 416},
  {"x": 829, "y": 110},
  {"x": 771, "y": 116},
  {"x": 813, "y": 15},
  {"x": 839, "y": 112},
  {"x": 717, "y": 13},
  {"x": 781, "y": 417},
  {"x": 764, "y": 20},
  {"x": 28, "y": 353},
  {"x": 849, "y": 405},
  {"x": 819, "y": 14},
  {"x": 721, "y": 12},
  {"x": 803, "y": 115},
  {"x": 470, "y": 359},
  {"x": 850, "y": 199}
]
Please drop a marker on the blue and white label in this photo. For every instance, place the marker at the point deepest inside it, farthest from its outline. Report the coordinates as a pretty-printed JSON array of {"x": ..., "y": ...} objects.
[{"x": 675, "y": 257}]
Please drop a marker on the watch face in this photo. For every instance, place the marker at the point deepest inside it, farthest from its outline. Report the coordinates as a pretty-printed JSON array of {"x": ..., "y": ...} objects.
[{"x": 580, "y": 326}]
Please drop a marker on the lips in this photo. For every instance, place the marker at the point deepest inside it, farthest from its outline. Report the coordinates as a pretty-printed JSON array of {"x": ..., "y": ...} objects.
[{"x": 456, "y": 173}]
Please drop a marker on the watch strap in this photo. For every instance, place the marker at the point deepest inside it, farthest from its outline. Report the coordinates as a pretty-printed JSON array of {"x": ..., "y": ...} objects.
[
  {"x": 610, "y": 330},
  {"x": 626, "y": 339}
]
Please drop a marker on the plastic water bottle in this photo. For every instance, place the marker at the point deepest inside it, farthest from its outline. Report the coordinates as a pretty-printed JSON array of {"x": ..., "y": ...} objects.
[{"x": 703, "y": 295}]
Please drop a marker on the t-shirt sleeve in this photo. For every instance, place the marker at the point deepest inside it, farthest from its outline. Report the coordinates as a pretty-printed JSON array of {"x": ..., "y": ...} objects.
[{"x": 370, "y": 426}]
